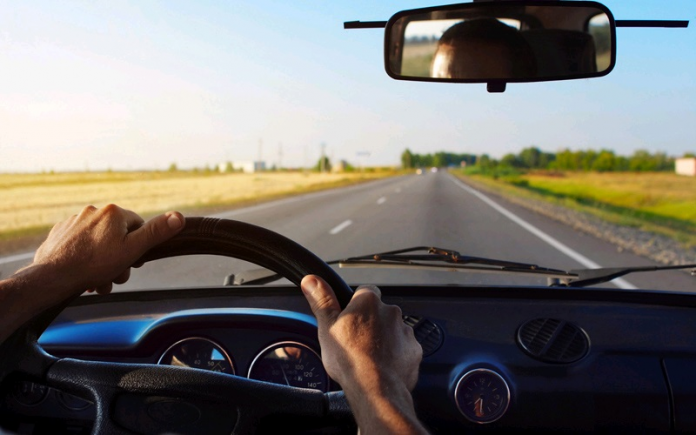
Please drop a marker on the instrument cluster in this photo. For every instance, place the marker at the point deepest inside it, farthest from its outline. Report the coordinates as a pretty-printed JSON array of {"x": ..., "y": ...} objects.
[{"x": 288, "y": 363}]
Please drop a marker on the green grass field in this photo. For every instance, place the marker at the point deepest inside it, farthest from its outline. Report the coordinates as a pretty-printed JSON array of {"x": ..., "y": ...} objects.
[{"x": 659, "y": 202}]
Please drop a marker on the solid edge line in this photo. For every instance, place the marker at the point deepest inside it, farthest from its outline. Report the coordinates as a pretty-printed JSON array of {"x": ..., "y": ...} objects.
[
  {"x": 340, "y": 227},
  {"x": 620, "y": 282},
  {"x": 18, "y": 257}
]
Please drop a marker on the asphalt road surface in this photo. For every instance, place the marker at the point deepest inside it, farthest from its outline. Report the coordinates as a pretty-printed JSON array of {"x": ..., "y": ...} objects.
[{"x": 433, "y": 209}]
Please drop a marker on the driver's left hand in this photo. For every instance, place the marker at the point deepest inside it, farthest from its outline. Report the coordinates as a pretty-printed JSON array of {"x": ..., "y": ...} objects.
[{"x": 95, "y": 248}]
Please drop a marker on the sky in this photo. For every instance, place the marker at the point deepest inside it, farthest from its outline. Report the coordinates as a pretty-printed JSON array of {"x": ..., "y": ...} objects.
[{"x": 142, "y": 84}]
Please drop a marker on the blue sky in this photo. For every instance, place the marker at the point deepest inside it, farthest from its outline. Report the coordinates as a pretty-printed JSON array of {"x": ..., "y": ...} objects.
[{"x": 128, "y": 85}]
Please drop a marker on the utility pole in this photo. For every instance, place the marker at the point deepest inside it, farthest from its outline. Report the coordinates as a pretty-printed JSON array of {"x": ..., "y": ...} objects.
[
  {"x": 321, "y": 161},
  {"x": 280, "y": 156},
  {"x": 331, "y": 159}
]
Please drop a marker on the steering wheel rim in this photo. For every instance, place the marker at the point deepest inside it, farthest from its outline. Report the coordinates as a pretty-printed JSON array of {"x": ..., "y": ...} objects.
[
  {"x": 104, "y": 382},
  {"x": 253, "y": 244}
]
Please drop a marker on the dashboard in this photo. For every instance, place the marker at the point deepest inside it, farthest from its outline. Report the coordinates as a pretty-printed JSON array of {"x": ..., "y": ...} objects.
[{"x": 495, "y": 358}]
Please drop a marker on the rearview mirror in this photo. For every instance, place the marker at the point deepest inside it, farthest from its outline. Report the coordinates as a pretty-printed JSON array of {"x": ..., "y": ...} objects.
[{"x": 518, "y": 41}]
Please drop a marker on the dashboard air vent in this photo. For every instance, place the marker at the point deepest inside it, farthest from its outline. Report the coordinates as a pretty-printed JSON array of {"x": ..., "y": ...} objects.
[
  {"x": 427, "y": 333},
  {"x": 553, "y": 341}
]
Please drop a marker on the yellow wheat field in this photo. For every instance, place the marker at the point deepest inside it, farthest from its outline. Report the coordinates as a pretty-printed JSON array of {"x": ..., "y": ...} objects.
[{"x": 40, "y": 200}]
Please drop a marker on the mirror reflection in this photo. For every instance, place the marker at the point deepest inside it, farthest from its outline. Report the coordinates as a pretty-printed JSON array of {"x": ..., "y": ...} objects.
[{"x": 503, "y": 42}]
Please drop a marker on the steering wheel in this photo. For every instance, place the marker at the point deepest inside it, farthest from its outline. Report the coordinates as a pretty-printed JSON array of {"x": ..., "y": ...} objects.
[{"x": 179, "y": 397}]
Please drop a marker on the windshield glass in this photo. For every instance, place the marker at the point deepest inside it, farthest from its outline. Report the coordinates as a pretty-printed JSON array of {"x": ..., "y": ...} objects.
[{"x": 273, "y": 114}]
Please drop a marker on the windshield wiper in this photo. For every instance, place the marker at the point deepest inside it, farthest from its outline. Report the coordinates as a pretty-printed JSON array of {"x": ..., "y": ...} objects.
[
  {"x": 447, "y": 260},
  {"x": 605, "y": 274}
]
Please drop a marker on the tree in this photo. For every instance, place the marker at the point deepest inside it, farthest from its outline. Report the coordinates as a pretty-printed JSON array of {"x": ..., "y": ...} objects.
[
  {"x": 510, "y": 161},
  {"x": 326, "y": 166},
  {"x": 440, "y": 160},
  {"x": 530, "y": 158},
  {"x": 641, "y": 161},
  {"x": 173, "y": 168},
  {"x": 484, "y": 161},
  {"x": 407, "y": 159},
  {"x": 605, "y": 161}
]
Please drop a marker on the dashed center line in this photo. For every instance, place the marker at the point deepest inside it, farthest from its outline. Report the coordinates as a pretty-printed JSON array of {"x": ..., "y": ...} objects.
[
  {"x": 340, "y": 227},
  {"x": 382, "y": 200}
]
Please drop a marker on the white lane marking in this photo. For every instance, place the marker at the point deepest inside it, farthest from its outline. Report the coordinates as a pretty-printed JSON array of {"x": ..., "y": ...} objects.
[
  {"x": 620, "y": 282},
  {"x": 340, "y": 227},
  {"x": 18, "y": 257},
  {"x": 381, "y": 201},
  {"x": 265, "y": 205}
]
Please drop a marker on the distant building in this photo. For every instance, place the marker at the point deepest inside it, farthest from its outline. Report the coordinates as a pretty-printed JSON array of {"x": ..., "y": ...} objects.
[
  {"x": 685, "y": 166},
  {"x": 225, "y": 167},
  {"x": 341, "y": 166},
  {"x": 250, "y": 167}
]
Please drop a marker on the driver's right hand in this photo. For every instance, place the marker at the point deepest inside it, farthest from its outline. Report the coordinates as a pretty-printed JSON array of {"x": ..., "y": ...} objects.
[{"x": 367, "y": 343}]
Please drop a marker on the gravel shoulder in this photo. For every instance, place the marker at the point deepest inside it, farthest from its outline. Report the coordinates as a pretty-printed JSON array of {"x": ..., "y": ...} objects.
[{"x": 656, "y": 247}]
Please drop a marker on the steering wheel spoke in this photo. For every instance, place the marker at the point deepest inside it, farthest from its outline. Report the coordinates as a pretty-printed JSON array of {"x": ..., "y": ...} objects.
[{"x": 166, "y": 398}]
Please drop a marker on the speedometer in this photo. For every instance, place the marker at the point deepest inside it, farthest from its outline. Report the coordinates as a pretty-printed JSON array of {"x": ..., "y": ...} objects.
[
  {"x": 290, "y": 363},
  {"x": 198, "y": 353}
]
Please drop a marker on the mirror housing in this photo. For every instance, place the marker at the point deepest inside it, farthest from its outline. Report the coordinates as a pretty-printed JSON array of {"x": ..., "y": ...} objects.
[{"x": 501, "y": 42}]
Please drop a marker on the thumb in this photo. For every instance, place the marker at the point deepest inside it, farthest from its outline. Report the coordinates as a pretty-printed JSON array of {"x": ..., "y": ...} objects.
[
  {"x": 322, "y": 300},
  {"x": 157, "y": 230}
]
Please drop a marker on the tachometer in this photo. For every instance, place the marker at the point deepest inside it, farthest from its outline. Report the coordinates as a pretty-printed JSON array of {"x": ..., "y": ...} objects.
[
  {"x": 198, "y": 353},
  {"x": 290, "y": 363}
]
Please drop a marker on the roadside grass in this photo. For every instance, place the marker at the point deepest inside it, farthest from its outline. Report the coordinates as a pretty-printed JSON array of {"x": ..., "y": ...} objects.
[
  {"x": 32, "y": 203},
  {"x": 658, "y": 202}
]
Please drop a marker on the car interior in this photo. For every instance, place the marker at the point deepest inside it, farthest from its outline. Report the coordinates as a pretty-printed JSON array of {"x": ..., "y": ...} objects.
[{"x": 246, "y": 358}]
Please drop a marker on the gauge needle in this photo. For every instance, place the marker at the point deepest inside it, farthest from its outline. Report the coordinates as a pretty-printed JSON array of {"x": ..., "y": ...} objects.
[
  {"x": 478, "y": 407},
  {"x": 284, "y": 375}
]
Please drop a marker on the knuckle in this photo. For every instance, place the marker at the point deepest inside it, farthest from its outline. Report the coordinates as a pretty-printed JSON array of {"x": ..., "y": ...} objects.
[
  {"x": 323, "y": 303},
  {"x": 394, "y": 311},
  {"x": 111, "y": 210},
  {"x": 88, "y": 209},
  {"x": 153, "y": 232},
  {"x": 368, "y": 296},
  {"x": 371, "y": 288}
]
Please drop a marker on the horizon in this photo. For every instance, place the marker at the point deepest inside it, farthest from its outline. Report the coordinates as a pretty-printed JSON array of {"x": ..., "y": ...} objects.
[{"x": 215, "y": 167}]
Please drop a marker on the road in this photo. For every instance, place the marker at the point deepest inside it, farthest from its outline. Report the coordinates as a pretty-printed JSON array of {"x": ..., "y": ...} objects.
[{"x": 433, "y": 209}]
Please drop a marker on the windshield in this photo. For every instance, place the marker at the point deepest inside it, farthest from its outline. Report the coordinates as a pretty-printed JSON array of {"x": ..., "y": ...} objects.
[{"x": 272, "y": 113}]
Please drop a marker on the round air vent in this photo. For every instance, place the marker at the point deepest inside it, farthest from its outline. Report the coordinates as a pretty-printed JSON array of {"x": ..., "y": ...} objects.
[
  {"x": 427, "y": 333},
  {"x": 553, "y": 341}
]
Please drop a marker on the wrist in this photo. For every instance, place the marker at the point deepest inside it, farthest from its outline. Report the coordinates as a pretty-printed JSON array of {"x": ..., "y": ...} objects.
[
  {"x": 45, "y": 289},
  {"x": 381, "y": 402},
  {"x": 373, "y": 381}
]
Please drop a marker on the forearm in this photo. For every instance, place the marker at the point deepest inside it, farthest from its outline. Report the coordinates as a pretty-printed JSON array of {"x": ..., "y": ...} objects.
[
  {"x": 25, "y": 294},
  {"x": 383, "y": 406}
]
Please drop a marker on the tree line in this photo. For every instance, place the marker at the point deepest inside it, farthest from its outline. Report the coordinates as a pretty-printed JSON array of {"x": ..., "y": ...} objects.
[
  {"x": 534, "y": 158},
  {"x": 411, "y": 160}
]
